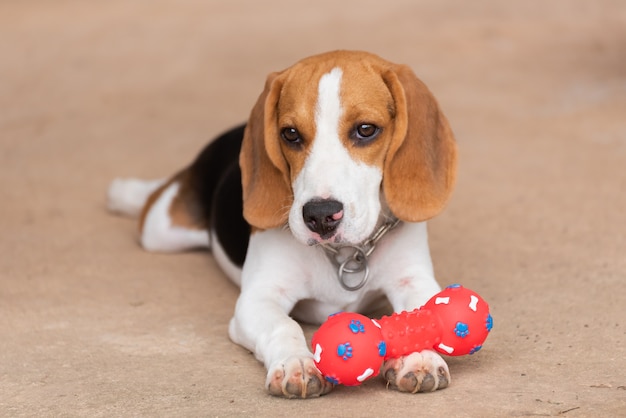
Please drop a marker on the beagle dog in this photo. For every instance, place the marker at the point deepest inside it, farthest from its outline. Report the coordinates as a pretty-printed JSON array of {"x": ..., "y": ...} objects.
[{"x": 317, "y": 205}]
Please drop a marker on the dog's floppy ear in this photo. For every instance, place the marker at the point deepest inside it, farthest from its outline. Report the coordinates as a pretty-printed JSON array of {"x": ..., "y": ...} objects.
[
  {"x": 420, "y": 167},
  {"x": 267, "y": 194}
]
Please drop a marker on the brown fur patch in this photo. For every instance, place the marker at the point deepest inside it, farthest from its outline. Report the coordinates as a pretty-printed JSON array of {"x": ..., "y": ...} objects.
[
  {"x": 183, "y": 210},
  {"x": 267, "y": 193},
  {"x": 420, "y": 169}
]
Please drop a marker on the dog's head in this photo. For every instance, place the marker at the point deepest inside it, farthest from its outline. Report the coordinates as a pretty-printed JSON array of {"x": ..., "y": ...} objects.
[{"x": 337, "y": 140}]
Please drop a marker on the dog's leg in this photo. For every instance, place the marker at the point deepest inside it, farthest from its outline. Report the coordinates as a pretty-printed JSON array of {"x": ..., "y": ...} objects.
[
  {"x": 127, "y": 196},
  {"x": 425, "y": 371},
  {"x": 411, "y": 287},
  {"x": 279, "y": 343},
  {"x": 277, "y": 340},
  {"x": 168, "y": 219},
  {"x": 273, "y": 281}
]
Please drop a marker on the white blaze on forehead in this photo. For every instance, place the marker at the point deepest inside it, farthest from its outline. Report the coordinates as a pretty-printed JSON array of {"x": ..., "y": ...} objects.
[
  {"x": 331, "y": 171},
  {"x": 328, "y": 161},
  {"x": 328, "y": 109}
]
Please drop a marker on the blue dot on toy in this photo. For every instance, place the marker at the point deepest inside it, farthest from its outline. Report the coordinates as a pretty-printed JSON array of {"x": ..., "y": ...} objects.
[
  {"x": 461, "y": 330},
  {"x": 382, "y": 348},
  {"x": 489, "y": 323},
  {"x": 475, "y": 349},
  {"x": 332, "y": 380},
  {"x": 453, "y": 286},
  {"x": 344, "y": 351},
  {"x": 356, "y": 326}
]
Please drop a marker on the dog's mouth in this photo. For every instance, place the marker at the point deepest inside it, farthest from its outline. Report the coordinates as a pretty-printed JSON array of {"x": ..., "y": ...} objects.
[
  {"x": 330, "y": 239},
  {"x": 337, "y": 239}
]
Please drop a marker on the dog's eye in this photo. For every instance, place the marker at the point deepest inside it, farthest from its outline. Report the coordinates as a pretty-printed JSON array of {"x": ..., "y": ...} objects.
[
  {"x": 366, "y": 131},
  {"x": 291, "y": 135}
]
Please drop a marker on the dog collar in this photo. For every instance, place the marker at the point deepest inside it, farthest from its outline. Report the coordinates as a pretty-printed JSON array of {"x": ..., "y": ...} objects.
[{"x": 352, "y": 259}]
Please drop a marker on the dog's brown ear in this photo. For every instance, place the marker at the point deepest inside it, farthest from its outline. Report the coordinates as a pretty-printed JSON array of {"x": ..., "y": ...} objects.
[
  {"x": 267, "y": 194},
  {"x": 420, "y": 168}
]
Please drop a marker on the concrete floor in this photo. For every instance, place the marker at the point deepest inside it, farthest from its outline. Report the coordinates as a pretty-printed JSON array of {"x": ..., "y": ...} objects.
[{"x": 91, "y": 325}]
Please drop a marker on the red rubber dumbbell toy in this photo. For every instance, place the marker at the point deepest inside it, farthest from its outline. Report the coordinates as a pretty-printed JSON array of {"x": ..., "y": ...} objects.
[{"x": 350, "y": 348}]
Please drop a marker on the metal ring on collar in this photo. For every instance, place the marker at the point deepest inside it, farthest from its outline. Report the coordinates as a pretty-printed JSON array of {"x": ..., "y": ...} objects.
[
  {"x": 358, "y": 258},
  {"x": 342, "y": 275}
]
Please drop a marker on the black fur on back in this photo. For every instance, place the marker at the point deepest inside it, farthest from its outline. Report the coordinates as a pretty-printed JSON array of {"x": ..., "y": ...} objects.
[{"x": 215, "y": 179}]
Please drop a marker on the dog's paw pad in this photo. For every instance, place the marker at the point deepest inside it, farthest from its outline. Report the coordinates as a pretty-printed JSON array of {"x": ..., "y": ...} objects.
[
  {"x": 297, "y": 378},
  {"x": 417, "y": 372}
]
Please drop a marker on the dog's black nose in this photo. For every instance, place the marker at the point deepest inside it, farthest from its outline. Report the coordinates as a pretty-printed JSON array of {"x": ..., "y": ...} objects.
[{"x": 323, "y": 216}]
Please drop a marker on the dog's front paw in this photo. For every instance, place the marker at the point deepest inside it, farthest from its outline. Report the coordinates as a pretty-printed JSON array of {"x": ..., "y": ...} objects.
[
  {"x": 425, "y": 371},
  {"x": 297, "y": 378}
]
